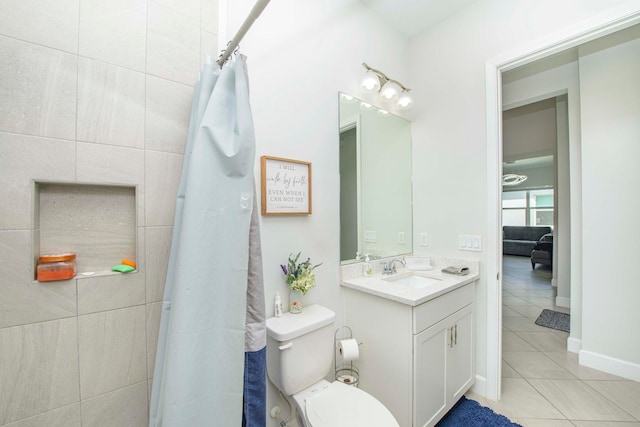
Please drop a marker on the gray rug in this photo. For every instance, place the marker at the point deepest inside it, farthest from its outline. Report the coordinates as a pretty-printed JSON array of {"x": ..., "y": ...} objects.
[{"x": 554, "y": 319}]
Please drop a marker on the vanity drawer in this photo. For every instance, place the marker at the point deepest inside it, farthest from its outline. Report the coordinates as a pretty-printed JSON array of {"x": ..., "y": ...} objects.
[{"x": 437, "y": 309}]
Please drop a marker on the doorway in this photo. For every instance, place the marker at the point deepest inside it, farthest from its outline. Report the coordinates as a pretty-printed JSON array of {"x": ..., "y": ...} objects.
[
  {"x": 494, "y": 72},
  {"x": 535, "y": 211}
]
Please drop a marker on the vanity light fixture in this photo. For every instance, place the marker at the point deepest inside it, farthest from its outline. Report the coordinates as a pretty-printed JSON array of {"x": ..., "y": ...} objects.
[{"x": 390, "y": 90}]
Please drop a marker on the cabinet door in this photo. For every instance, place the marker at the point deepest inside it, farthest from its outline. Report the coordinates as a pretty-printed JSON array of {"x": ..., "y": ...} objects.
[
  {"x": 429, "y": 361},
  {"x": 460, "y": 361}
]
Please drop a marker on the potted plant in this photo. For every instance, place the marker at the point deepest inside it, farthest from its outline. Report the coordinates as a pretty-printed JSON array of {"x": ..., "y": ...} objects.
[{"x": 300, "y": 278}]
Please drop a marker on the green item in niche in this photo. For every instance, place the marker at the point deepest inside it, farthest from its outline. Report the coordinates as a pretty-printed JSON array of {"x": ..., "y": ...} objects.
[{"x": 123, "y": 268}]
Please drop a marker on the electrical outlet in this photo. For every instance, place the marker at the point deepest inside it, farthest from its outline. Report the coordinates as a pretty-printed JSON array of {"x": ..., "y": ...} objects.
[
  {"x": 370, "y": 237},
  {"x": 424, "y": 239},
  {"x": 470, "y": 243}
]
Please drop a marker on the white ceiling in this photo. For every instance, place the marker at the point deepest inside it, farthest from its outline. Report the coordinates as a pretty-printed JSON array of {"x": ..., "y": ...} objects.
[
  {"x": 531, "y": 163},
  {"x": 412, "y": 17}
]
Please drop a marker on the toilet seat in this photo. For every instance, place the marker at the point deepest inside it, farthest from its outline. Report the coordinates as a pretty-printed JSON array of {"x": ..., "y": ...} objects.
[{"x": 340, "y": 405}]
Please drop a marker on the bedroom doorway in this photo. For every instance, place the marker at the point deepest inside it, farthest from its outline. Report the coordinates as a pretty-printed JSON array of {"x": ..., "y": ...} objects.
[{"x": 533, "y": 135}]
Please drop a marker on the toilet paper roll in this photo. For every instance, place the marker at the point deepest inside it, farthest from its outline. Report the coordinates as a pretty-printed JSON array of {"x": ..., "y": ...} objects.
[{"x": 348, "y": 349}]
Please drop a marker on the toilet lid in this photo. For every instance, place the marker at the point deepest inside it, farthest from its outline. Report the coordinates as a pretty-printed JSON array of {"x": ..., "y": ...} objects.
[{"x": 340, "y": 405}]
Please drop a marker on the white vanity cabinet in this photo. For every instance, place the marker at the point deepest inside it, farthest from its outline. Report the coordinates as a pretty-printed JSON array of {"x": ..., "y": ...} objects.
[{"x": 417, "y": 360}]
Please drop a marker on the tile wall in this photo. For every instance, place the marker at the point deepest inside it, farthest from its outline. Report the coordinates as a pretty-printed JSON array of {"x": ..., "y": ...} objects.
[{"x": 99, "y": 92}]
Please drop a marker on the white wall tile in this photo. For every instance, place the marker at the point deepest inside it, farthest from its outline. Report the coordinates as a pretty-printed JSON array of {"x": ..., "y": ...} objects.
[
  {"x": 209, "y": 19},
  {"x": 67, "y": 416},
  {"x": 112, "y": 348},
  {"x": 110, "y": 164},
  {"x": 168, "y": 112},
  {"x": 39, "y": 122},
  {"x": 102, "y": 293},
  {"x": 38, "y": 90},
  {"x": 208, "y": 46},
  {"x": 26, "y": 158},
  {"x": 191, "y": 8},
  {"x": 127, "y": 406},
  {"x": 39, "y": 368},
  {"x": 162, "y": 177},
  {"x": 154, "y": 313},
  {"x": 114, "y": 31},
  {"x": 117, "y": 290},
  {"x": 157, "y": 256},
  {"x": 173, "y": 45},
  {"x": 24, "y": 300},
  {"x": 49, "y": 23},
  {"x": 111, "y": 102}
]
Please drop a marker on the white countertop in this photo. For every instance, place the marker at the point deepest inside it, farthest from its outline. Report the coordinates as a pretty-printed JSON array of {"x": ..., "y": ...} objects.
[{"x": 377, "y": 285}]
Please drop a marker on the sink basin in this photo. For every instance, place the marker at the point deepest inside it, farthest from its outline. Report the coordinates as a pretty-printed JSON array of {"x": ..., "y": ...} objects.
[{"x": 413, "y": 280}]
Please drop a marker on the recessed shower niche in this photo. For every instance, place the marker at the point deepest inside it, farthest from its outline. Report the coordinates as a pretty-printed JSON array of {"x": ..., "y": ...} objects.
[{"x": 96, "y": 222}]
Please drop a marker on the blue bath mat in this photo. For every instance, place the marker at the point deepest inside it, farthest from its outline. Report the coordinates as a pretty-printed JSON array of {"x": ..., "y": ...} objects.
[{"x": 469, "y": 413}]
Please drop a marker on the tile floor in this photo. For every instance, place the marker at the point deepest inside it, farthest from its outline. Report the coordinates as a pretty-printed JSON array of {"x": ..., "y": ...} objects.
[{"x": 542, "y": 383}]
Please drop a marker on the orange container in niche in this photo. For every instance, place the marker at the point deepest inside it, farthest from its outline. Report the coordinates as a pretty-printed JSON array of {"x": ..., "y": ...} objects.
[{"x": 56, "y": 267}]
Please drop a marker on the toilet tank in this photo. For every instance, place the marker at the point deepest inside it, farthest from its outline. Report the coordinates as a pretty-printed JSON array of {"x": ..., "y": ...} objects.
[{"x": 300, "y": 348}]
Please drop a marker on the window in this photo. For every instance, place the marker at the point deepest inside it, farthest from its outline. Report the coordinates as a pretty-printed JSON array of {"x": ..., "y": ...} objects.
[{"x": 533, "y": 207}]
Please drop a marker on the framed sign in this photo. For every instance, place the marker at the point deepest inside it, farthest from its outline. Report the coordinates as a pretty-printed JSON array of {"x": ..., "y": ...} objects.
[{"x": 286, "y": 186}]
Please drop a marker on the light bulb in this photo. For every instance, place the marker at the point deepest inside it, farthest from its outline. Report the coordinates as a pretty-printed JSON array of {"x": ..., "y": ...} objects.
[
  {"x": 366, "y": 105},
  {"x": 406, "y": 100},
  {"x": 390, "y": 90},
  {"x": 346, "y": 97},
  {"x": 370, "y": 82}
]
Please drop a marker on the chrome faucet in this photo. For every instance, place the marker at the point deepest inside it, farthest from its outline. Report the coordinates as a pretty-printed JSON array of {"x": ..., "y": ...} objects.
[{"x": 390, "y": 267}]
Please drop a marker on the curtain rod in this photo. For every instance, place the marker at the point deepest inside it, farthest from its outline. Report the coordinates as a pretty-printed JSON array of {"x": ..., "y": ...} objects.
[{"x": 233, "y": 44}]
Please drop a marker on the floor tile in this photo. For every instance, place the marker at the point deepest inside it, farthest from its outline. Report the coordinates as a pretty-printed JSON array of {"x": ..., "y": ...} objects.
[
  {"x": 623, "y": 393},
  {"x": 544, "y": 341},
  {"x": 542, "y": 383},
  {"x": 530, "y": 311},
  {"x": 528, "y": 292},
  {"x": 605, "y": 424},
  {"x": 511, "y": 300},
  {"x": 535, "y": 365},
  {"x": 508, "y": 371},
  {"x": 534, "y": 422},
  {"x": 570, "y": 362},
  {"x": 523, "y": 324},
  {"x": 577, "y": 401},
  {"x": 512, "y": 342},
  {"x": 509, "y": 312},
  {"x": 521, "y": 400}
]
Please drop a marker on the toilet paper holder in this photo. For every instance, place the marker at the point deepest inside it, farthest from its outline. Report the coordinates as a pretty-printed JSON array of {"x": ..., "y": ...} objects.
[{"x": 346, "y": 371}]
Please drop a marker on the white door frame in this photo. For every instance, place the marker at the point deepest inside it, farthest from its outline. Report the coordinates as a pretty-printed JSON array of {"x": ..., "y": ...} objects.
[{"x": 615, "y": 20}]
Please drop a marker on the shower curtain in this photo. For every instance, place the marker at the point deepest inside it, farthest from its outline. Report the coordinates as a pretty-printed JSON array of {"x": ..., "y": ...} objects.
[{"x": 211, "y": 355}]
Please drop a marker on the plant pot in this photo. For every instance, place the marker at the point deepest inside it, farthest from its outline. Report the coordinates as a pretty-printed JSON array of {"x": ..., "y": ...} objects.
[{"x": 295, "y": 302}]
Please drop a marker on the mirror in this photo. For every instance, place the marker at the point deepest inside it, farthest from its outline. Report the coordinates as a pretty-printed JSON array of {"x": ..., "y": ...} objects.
[{"x": 375, "y": 182}]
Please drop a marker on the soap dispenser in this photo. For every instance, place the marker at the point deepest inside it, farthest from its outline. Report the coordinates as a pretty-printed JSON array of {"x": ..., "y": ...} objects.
[
  {"x": 367, "y": 266},
  {"x": 278, "y": 305}
]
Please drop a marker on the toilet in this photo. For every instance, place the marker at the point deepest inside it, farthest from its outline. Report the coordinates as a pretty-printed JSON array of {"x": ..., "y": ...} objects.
[{"x": 300, "y": 349}]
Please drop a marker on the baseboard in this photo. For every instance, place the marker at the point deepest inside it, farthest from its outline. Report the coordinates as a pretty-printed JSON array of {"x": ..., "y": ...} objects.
[
  {"x": 480, "y": 386},
  {"x": 574, "y": 345},
  {"x": 554, "y": 283},
  {"x": 610, "y": 365},
  {"x": 563, "y": 302}
]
